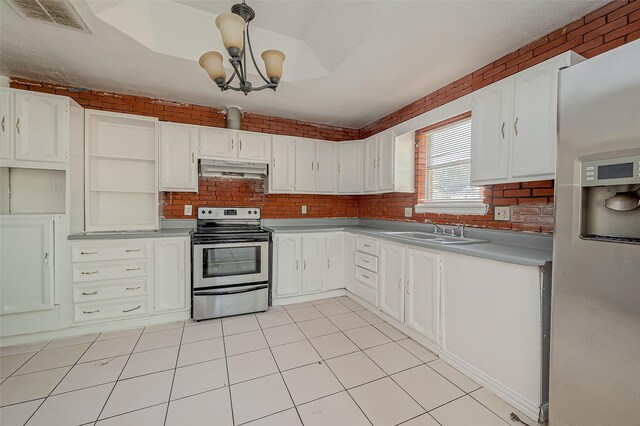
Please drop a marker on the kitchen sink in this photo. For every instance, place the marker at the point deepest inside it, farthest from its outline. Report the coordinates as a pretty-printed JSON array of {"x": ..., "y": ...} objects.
[{"x": 435, "y": 238}]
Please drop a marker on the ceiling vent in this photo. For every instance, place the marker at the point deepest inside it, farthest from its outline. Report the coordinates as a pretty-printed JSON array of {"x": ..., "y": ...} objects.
[{"x": 56, "y": 12}]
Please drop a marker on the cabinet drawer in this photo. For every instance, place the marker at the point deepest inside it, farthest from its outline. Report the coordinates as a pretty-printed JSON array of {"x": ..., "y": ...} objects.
[
  {"x": 367, "y": 293},
  {"x": 110, "y": 290},
  {"x": 111, "y": 309},
  {"x": 109, "y": 271},
  {"x": 367, "y": 261},
  {"x": 98, "y": 252},
  {"x": 367, "y": 245},
  {"x": 367, "y": 277}
]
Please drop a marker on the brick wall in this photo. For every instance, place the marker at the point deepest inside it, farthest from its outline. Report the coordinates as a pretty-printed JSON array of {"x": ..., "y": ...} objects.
[{"x": 611, "y": 26}]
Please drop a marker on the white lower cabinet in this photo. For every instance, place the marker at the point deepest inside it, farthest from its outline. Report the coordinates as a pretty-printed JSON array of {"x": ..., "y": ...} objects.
[
  {"x": 117, "y": 279},
  {"x": 308, "y": 263},
  {"x": 172, "y": 270},
  {"x": 422, "y": 288},
  {"x": 391, "y": 275},
  {"x": 26, "y": 264},
  {"x": 349, "y": 262}
]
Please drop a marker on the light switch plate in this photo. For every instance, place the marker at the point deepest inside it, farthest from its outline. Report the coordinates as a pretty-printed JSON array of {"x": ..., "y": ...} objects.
[
  {"x": 408, "y": 212},
  {"x": 188, "y": 210},
  {"x": 304, "y": 209},
  {"x": 502, "y": 213}
]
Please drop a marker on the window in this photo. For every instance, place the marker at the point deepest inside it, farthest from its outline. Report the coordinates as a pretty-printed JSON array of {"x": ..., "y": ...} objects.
[{"x": 448, "y": 172}]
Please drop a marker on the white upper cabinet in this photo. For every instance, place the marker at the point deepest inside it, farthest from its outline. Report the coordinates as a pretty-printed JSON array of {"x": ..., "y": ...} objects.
[
  {"x": 172, "y": 271},
  {"x": 40, "y": 127},
  {"x": 371, "y": 160},
  {"x": 391, "y": 279},
  {"x": 178, "y": 163},
  {"x": 313, "y": 263},
  {"x": 491, "y": 132},
  {"x": 335, "y": 248},
  {"x": 326, "y": 167},
  {"x": 305, "y": 165},
  {"x": 281, "y": 169},
  {"x": 254, "y": 147},
  {"x": 288, "y": 265},
  {"x": 535, "y": 121},
  {"x": 6, "y": 123},
  {"x": 385, "y": 161},
  {"x": 26, "y": 264},
  {"x": 349, "y": 167},
  {"x": 422, "y": 288},
  {"x": 218, "y": 143},
  {"x": 514, "y": 125}
]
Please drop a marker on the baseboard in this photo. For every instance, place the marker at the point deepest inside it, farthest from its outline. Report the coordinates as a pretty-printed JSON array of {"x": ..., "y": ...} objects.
[
  {"x": 79, "y": 330},
  {"x": 308, "y": 297},
  {"x": 504, "y": 393}
]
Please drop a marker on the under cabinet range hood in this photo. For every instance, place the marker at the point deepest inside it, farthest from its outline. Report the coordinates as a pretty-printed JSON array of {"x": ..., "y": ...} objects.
[{"x": 240, "y": 169}]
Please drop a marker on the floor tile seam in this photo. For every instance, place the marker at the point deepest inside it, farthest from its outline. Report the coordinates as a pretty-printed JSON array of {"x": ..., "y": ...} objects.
[
  {"x": 280, "y": 372},
  {"x": 419, "y": 415},
  {"x": 481, "y": 403},
  {"x": 173, "y": 378},
  {"x": 113, "y": 338},
  {"x": 52, "y": 368},
  {"x": 448, "y": 380},
  {"x": 21, "y": 365},
  {"x": 118, "y": 378},
  {"x": 132, "y": 411},
  {"x": 226, "y": 364},
  {"x": 58, "y": 384}
]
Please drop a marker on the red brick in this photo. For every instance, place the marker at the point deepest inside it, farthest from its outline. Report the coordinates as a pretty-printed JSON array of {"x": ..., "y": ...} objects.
[
  {"x": 604, "y": 10},
  {"x": 532, "y": 201}
]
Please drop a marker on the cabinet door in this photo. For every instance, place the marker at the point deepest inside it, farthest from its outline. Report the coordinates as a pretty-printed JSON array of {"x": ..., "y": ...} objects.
[
  {"x": 335, "y": 261},
  {"x": 313, "y": 263},
  {"x": 178, "y": 164},
  {"x": 305, "y": 165},
  {"x": 349, "y": 262},
  {"x": 288, "y": 262},
  {"x": 390, "y": 279},
  {"x": 218, "y": 143},
  {"x": 326, "y": 167},
  {"x": 170, "y": 274},
  {"x": 533, "y": 152},
  {"x": 6, "y": 123},
  {"x": 385, "y": 161},
  {"x": 371, "y": 164},
  {"x": 282, "y": 168},
  {"x": 39, "y": 125},
  {"x": 254, "y": 146},
  {"x": 350, "y": 167},
  {"x": 422, "y": 292},
  {"x": 491, "y": 132},
  {"x": 26, "y": 265}
]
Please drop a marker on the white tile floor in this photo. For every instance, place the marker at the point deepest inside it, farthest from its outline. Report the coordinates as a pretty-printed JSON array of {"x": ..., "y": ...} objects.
[{"x": 328, "y": 363}]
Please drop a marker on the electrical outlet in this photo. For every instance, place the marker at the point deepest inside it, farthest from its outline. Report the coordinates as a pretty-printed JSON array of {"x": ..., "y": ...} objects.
[
  {"x": 188, "y": 210},
  {"x": 304, "y": 209},
  {"x": 502, "y": 213},
  {"x": 408, "y": 211}
]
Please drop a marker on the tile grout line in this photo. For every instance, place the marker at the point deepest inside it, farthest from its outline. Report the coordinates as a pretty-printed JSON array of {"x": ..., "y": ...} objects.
[
  {"x": 173, "y": 378},
  {"x": 226, "y": 364}
]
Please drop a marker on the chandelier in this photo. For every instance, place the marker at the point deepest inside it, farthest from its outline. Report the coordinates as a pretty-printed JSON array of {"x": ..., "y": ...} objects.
[{"x": 234, "y": 29}]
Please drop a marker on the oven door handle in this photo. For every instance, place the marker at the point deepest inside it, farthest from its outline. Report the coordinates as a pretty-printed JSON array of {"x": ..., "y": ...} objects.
[
  {"x": 236, "y": 244},
  {"x": 223, "y": 293}
]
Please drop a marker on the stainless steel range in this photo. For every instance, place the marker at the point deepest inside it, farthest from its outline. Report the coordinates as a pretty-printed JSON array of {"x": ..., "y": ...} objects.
[{"x": 230, "y": 263}]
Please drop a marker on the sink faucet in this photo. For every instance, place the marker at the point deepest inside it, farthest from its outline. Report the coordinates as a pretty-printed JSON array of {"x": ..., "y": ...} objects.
[{"x": 437, "y": 227}]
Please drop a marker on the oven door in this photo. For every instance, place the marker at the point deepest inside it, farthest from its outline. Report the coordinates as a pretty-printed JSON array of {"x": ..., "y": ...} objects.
[{"x": 230, "y": 263}]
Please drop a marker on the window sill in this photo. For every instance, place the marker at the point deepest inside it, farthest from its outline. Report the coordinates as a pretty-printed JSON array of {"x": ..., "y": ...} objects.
[{"x": 452, "y": 208}]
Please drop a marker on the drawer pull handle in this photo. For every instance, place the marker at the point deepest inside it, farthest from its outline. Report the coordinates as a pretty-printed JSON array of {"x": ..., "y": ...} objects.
[
  {"x": 89, "y": 293},
  {"x": 84, "y": 253},
  {"x": 366, "y": 245},
  {"x": 365, "y": 261},
  {"x": 132, "y": 309},
  {"x": 90, "y": 273},
  {"x": 134, "y": 288},
  {"x": 366, "y": 276},
  {"x": 134, "y": 269},
  {"x": 91, "y": 312},
  {"x": 132, "y": 250}
]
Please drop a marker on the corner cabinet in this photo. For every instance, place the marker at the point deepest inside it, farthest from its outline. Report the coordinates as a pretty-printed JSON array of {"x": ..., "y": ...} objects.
[
  {"x": 26, "y": 264},
  {"x": 34, "y": 129},
  {"x": 514, "y": 125},
  {"x": 178, "y": 163},
  {"x": 350, "y": 167}
]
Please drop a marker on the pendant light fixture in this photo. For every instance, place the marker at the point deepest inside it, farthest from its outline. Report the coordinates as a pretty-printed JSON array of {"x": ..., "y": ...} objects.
[{"x": 234, "y": 29}]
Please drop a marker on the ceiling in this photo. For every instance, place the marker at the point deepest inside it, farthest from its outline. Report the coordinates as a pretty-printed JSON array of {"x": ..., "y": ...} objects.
[{"x": 348, "y": 62}]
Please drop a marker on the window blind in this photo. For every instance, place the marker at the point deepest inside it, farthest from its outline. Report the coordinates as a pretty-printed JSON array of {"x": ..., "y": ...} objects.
[{"x": 448, "y": 173}]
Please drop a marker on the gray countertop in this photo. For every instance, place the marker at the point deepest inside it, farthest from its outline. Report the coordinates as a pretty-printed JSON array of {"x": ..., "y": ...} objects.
[
  {"x": 511, "y": 247},
  {"x": 121, "y": 235}
]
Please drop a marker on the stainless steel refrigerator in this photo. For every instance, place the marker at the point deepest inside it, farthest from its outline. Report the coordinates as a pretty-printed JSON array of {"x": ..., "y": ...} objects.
[{"x": 595, "y": 320}]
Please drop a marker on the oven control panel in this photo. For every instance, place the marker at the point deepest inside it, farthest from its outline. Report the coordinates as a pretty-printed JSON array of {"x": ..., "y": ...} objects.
[{"x": 228, "y": 213}]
